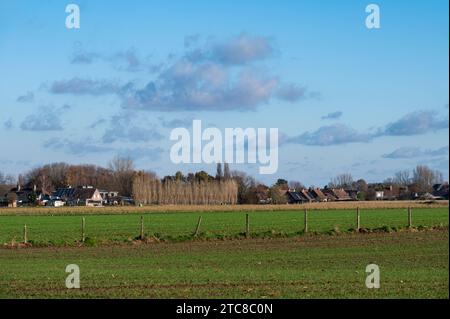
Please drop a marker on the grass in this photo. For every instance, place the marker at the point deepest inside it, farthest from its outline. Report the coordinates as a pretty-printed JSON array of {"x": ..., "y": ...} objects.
[
  {"x": 177, "y": 226},
  {"x": 110, "y": 210},
  {"x": 412, "y": 265}
]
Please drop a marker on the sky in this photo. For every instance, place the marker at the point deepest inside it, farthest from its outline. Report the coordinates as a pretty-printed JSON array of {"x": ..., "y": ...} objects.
[{"x": 345, "y": 98}]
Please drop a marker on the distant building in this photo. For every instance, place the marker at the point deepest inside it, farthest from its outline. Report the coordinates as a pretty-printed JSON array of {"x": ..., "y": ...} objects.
[
  {"x": 389, "y": 191},
  {"x": 109, "y": 197},
  {"x": 23, "y": 196},
  {"x": 441, "y": 191},
  {"x": 336, "y": 194},
  {"x": 294, "y": 197},
  {"x": 318, "y": 195},
  {"x": 79, "y": 196}
]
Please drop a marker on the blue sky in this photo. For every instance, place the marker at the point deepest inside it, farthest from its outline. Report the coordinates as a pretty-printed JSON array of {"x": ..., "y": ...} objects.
[{"x": 345, "y": 98}]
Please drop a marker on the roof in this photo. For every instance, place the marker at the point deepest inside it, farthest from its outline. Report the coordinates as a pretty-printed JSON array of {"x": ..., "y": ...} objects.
[
  {"x": 317, "y": 193},
  {"x": 84, "y": 193},
  {"x": 67, "y": 192},
  {"x": 80, "y": 193},
  {"x": 306, "y": 194},
  {"x": 341, "y": 194},
  {"x": 297, "y": 196}
]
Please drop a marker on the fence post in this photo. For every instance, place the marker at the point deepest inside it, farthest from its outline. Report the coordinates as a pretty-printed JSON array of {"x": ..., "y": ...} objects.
[
  {"x": 409, "y": 217},
  {"x": 25, "y": 234},
  {"x": 83, "y": 230},
  {"x": 142, "y": 228},
  {"x": 197, "y": 229},
  {"x": 358, "y": 219},
  {"x": 247, "y": 226},
  {"x": 306, "y": 220}
]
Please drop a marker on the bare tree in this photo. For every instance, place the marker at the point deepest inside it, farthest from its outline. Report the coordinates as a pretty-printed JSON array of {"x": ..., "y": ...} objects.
[
  {"x": 402, "y": 178},
  {"x": 296, "y": 185},
  {"x": 246, "y": 187},
  {"x": 7, "y": 179},
  {"x": 123, "y": 170},
  {"x": 198, "y": 191},
  {"x": 226, "y": 171},
  {"x": 424, "y": 178},
  {"x": 341, "y": 181},
  {"x": 219, "y": 172}
]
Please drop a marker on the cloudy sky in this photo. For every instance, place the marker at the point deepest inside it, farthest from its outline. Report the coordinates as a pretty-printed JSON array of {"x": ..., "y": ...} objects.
[{"x": 344, "y": 98}]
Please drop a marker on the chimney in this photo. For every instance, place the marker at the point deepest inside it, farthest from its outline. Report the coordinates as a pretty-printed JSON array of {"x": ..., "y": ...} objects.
[
  {"x": 34, "y": 188},
  {"x": 18, "y": 187}
]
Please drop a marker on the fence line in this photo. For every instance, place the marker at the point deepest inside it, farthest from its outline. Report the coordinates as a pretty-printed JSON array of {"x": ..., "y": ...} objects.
[{"x": 225, "y": 225}]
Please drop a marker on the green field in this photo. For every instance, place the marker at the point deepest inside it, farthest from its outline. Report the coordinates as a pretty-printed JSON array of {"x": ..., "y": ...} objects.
[
  {"x": 66, "y": 230},
  {"x": 278, "y": 261},
  {"x": 412, "y": 265}
]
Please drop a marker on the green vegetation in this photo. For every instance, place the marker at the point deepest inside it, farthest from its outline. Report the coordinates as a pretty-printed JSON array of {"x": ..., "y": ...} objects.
[
  {"x": 66, "y": 230},
  {"x": 412, "y": 265}
]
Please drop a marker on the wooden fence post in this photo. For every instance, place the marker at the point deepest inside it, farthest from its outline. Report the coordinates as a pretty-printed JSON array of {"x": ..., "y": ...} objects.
[
  {"x": 142, "y": 228},
  {"x": 306, "y": 221},
  {"x": 25, "y": 234},
  {"x": 247, "y": 226},
  {"x": 409, "y": 217},
  {"x": 197, "y": 229},
  {"x": 358, "y": 219},
  {"x": 83, "y": 230}
]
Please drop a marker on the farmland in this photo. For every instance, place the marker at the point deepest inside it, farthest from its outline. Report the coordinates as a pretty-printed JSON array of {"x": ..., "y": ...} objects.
[
  {"x": 65, "y": 229},
  {"x": 412, "y": 265},
  {"x": 278, "y": 260},
  {"x": 110, "y": 210}
]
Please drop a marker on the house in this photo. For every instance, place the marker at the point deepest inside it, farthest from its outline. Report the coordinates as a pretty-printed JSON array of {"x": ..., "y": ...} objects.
[
  {"x": 391, "y": 192},
  {"x": 262, "y": 193},
  {"x": 440, "y": 191},
  {"x": 294, "y": 197},
  {"x": 109, "y": 197},
  {"x": 336, "y": 194},
  {"x": 352, "y": 193},
  {"x": 383, "y": 191},
  {"x": 341, "y": 194},
  {"x": 22, "y": 196},
  {"x": 305, "y": 193},
  {"x": 379, "y": 195},
  {"x": 79, "y": 196},
  {"x": 318, "y": 195}
]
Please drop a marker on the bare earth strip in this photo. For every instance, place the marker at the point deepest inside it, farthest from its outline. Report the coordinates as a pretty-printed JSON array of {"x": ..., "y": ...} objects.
[
  {"x": 412, "y": 265},
  {"x": 221, "y": 208}
]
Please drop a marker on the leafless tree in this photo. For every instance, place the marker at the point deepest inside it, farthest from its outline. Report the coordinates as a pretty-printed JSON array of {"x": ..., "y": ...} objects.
[
  {"x": 424, "y": 178},
  {"x": 402, "y": 178},
  {"x": 226, "y": 171},
  {"x": 150, "y": 190},
  {"x": 7, "y": 179},
  {"x": 219, "y": 172},
  {"x": 296, "y": 185},
  {"x": 341, "y": 181},
  {"x": 123, "y": 170}
]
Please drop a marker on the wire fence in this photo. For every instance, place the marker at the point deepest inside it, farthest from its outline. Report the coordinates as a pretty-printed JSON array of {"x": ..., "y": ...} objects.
[{"x": 75, "y": 229}]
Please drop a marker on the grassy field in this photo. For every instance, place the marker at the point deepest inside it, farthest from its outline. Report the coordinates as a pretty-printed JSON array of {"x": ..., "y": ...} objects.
[
  {"x": 112, "y": 210},
  {"x": 412, "y": 265},
  {"x": 278, "y": 261},
  {"x": 102, "y": 228}
]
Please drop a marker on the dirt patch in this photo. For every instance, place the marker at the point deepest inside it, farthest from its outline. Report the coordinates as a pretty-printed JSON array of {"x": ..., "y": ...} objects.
[{"x": 302, "y": 242}]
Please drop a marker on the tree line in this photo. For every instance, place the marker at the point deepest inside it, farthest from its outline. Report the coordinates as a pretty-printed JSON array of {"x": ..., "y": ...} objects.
[
  {"x": 198, "y": 189},
  {"x": 227, "y": 186}
]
